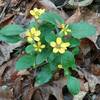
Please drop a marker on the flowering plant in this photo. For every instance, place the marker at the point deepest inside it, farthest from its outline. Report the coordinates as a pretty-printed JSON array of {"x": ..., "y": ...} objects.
[{"x": 51, "y": 44}]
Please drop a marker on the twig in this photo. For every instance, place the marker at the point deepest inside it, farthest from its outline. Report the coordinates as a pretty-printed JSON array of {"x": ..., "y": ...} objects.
[{"x": 2, "y": 13}]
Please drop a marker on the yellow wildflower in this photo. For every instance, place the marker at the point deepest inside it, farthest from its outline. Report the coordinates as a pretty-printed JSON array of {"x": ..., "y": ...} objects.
[
  {"x": 65, "y": 29},
  {"x": 59, "y": 45},
  {"x": 60, "y": 66},
  {"x": 36, "y": 13},
  {"x": 38, "y": 46},
  {"x": 33, "y": 34}
]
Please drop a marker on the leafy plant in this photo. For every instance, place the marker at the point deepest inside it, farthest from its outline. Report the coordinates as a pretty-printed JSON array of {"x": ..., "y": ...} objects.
[{"x": 52, "y": 44}]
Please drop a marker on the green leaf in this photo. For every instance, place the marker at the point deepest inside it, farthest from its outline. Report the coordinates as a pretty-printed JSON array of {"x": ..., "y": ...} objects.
[
  {"x": 45, "y": 28},
  {"x": 68, "y": 60},
  {"x": 49, "y": 37},
  {"x": 51, "y": 57},
  {"x": 10, "y": 39},
  {"x": 82, "y": 29},
  {"x": 43, "y": 76},
  {"x": 73, "y": 85},
  {"x": 41, "y": 57},
  {"x": 25, "y": 62},
  {"x": 11, "y": 30},
  {"x": 52, "y": 17},
  {"x": 29, "y": 49},
  {"x": 53, "y": 67},
  {"x": 75, "y": 51}
]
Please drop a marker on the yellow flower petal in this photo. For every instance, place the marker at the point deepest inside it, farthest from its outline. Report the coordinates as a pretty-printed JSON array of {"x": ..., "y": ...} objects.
[
  {"x": 42, "y": 46},
  {"x": 68, "y": 30},
  {"x": 29, "y": 39},
  {"x": 32, "y": 12},
  {"x": 64, "y": 45},
  {"x": 39, "y": 43},
  {"x": 33, "y": 30},
  {"x": 58, "y": 40},
  {"x": 66, "y": 26},
  {"x": 34, "y": 45},
  {"x": 35, "y": 49},
  {"x": 65, "y": 32},
  {"x": 37, "y": 33},
  {"x": 38, "y": 46},
  {"x": 60, "y": 66},
  {"x": 67, "y": 44},
  {"x": 28, "y": 33},
  {"x": 62, "y": 50},
  {"x": 62, "y": 26},
  {"x": 52, "y": 44},
  {"x": 55, "y": 50},
  {"x": 40, "y": 50},
  {"x": 37, "y": 12},
  {"x": 42, "y": 11},
  {"x": 36, "y": 38}
]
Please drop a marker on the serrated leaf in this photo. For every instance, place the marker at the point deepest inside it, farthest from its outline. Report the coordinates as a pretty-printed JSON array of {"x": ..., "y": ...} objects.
[
  {"x": 10, "y": 39},
  {"x": 52, "y": 17},
  {"x": 25, "y": 62},
  {"x": 43, "y": 76},
  {"x": 82, "y": 29},
  {"x": 68, "y": 60},
  {"x": 73, "y": 85},
  {"x": 12, "y": 29}
]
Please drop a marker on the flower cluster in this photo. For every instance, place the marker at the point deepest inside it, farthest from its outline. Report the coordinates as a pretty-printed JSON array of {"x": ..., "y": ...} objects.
[
  {"x": 36, "y": 13},
  {"x": 33, "y": 37},
  {"x": 38, "y": 47},
  {"x": 59, "y": 46},
  {"x": 65, "y": 29},
  {"x": 33, "y": 34}
]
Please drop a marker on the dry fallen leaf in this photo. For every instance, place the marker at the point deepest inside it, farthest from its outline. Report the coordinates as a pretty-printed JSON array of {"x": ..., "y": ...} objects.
[
  {"x": 76, "y": 17},
  {"x": 80, "y": 95},
  {"x": 92, "y": 80},
  {"x": 6, "y": 49},
  {"x": 23, "y": 72},
  {"x": 95, "y": 69},
  {"x": 94, "y": 19},
  {"x": 48, "y": 5},
  {"x": 54, "y": 89}
]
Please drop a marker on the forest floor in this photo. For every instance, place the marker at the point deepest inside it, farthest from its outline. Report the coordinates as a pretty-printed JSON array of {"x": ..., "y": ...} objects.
[{"x": 20, "y": 85}]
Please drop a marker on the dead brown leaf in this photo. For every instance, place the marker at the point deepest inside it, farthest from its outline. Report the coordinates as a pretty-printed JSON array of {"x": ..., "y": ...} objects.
[
  {"x": 76, "y": 17},
  {"x": 6, "y": 49},
  {"x": 95, "y": 69},
  {"x": 48, "y": 5},
  {"x": 94, "y": 19}
]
